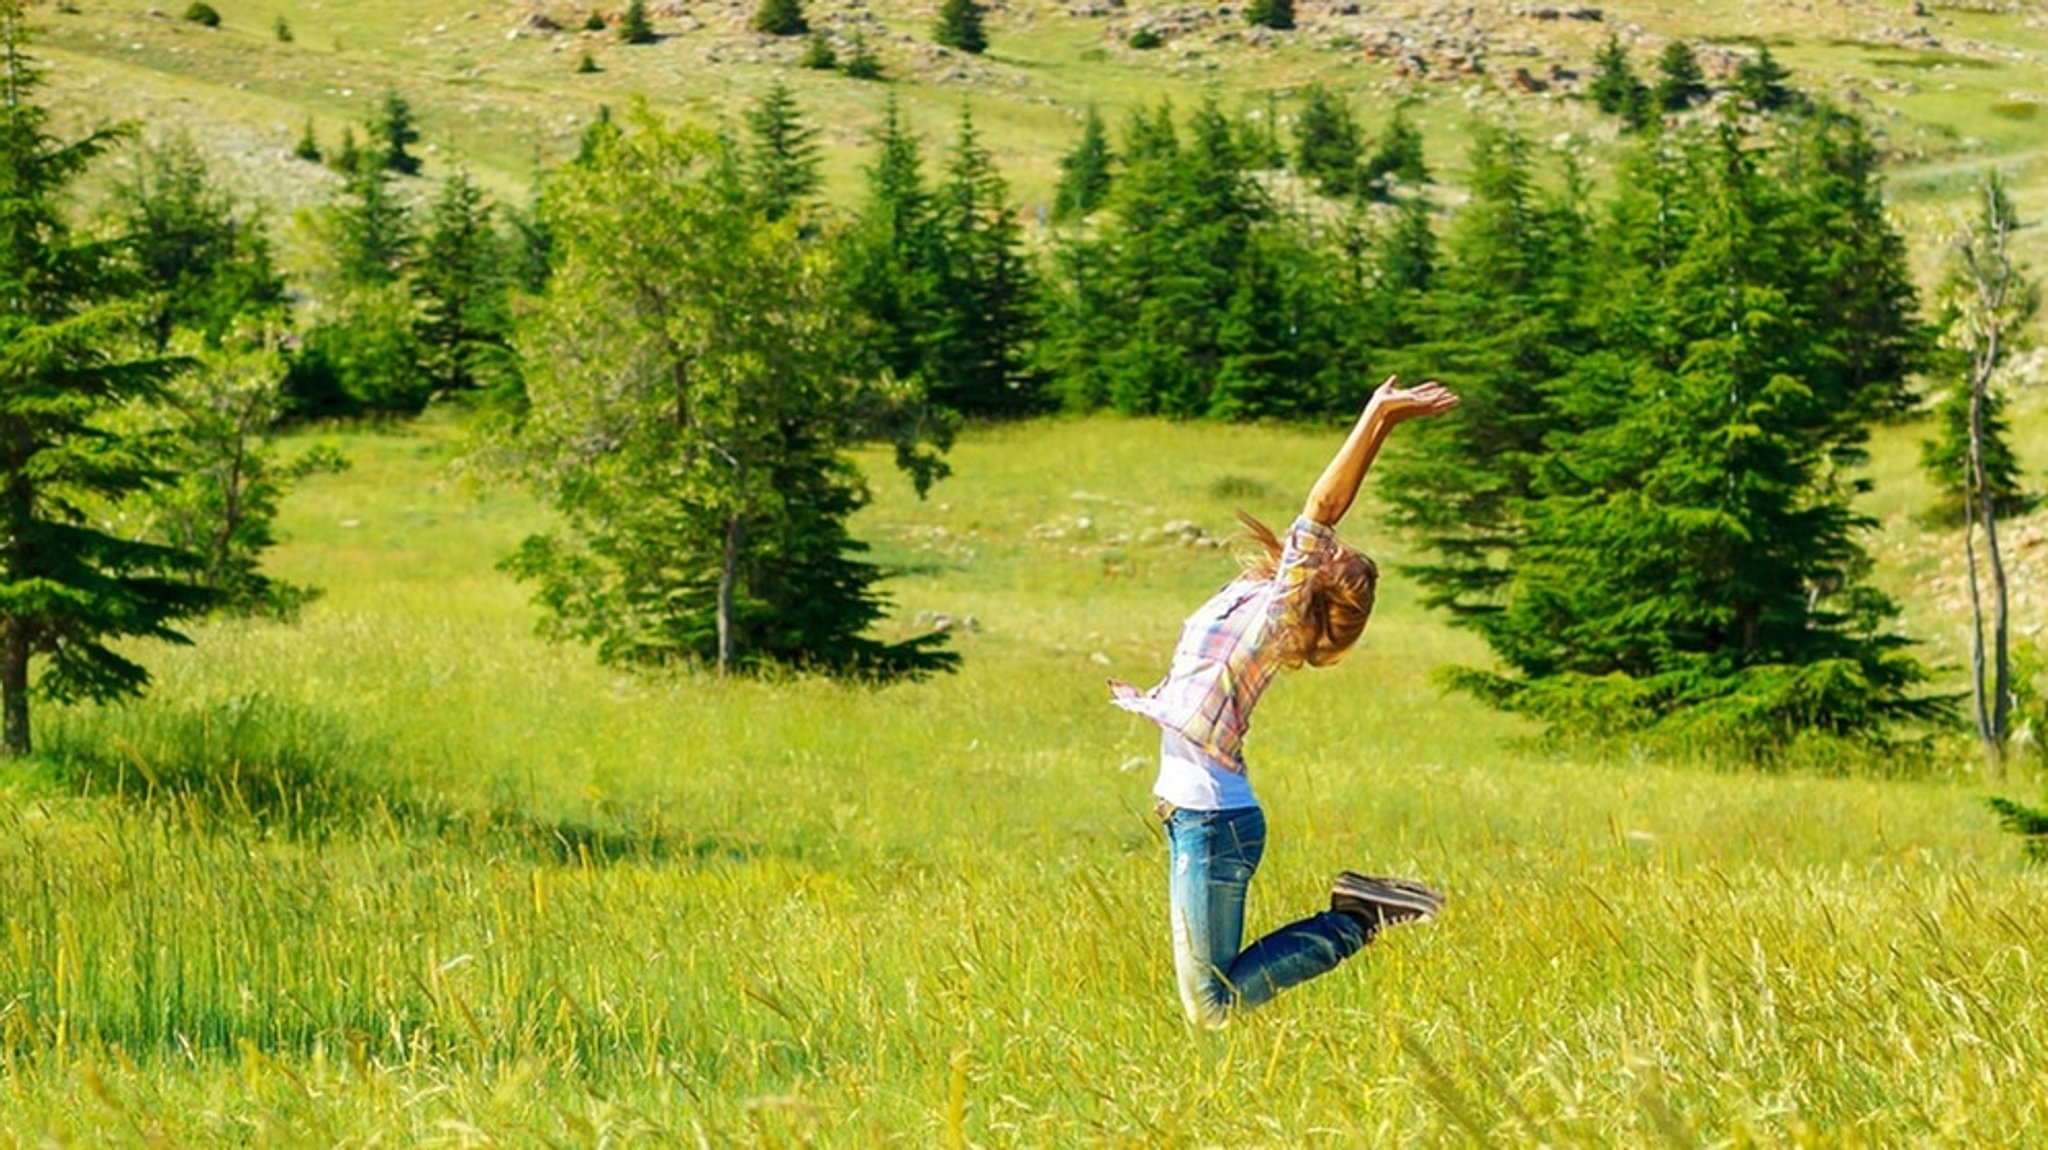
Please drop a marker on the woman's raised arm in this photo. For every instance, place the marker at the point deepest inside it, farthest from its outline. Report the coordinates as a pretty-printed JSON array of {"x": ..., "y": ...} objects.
[{"x": 1337, "y": 487}]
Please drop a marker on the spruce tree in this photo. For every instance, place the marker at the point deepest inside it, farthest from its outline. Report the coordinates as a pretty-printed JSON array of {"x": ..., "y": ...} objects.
[
  {"x": 1946, "y": 459},
  {"x": 1326, "y": 144},
  {"x": 986, "y": 292},
  {"x": 1396, "y": 157},
  {"x": 204, "y": 258},
  {"x": 1680, "y": 83},
  {"x": 782, "y": 163},
  {"x": 1084, "y": 172},
  {"x": 395, "y": 132},
  {"x": 635, "y": 27},
  {"x": 1275, "y": 14},
  {"x": 459, "y": 283},
  {"x": 862, "y": 62},
  {"x": 959, "y": 26},
  {"x": 1761, "y": 81},
  {"x": 891, "y": 254},
  {"x": 1615, "y": 88},
  {"x": 781, "y": 18},
  {"x": 72, "y": 593}
]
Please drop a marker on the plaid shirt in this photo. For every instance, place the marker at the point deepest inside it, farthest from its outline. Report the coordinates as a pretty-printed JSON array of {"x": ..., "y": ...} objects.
[{"x": 1226, "y": 655}]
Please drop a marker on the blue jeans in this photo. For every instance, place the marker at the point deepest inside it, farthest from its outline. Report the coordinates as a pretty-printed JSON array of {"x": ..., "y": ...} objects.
[{"x": 1213, "y": 855}]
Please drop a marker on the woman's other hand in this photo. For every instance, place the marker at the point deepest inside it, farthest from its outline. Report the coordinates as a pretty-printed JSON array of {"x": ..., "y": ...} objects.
[{"x": 1396, "y": 403}]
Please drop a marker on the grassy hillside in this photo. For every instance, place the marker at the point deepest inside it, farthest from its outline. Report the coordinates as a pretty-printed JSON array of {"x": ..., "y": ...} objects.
[
  {"x": 402, "y": 873},
  {"x": 1953, "y": 91}
]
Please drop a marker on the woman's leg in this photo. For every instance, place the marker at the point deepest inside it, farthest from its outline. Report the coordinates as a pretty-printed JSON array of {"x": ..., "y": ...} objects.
[{"x": 1213, "y": 857}]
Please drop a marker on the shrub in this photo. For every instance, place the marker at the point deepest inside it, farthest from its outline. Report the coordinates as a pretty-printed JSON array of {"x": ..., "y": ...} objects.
[
  {"x": 1144, "y": 40},
  {"x": 587, "y": 65},
  {"x": 203, "y": 13}
]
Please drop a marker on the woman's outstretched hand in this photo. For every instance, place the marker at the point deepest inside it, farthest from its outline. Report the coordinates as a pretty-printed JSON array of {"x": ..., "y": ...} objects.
[{"x": 1396, "y": 403}]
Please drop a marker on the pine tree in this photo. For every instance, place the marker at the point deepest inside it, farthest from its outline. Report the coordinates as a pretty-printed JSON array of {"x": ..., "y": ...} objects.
[
  {"x": 459, "y": 282},
  {"x": 205, "y": 260},
  {"x": 635, "y": 27},
  {"x": 371, "y": 226},
  {"x": 1761, "y": 82},
  {"x": 891, "y": 255},
  {"x": 1396, "y": 158},
  {"x": 1326, "y": 144},
  {"x": 1084, "y": 172},
  {"x": 862, "y": 63},
  {"x": 1680, "y": 83},
  {"x": 711, "y": 526},
  {"x": 1275, "y": 14},
  {"x": 71, "y": 592},
  {"x": 1615, "y": 89},
  {"x": 1671, "y": 550},
  {"x": 818, "y": 54},
  {"x": 1945, "y": 459},
  {"x": 395, "y": 131},
  {"x": 782, "y": 164},
  {"x": 976, "y": 355},
  {"x": 781, "y": 18},
  {"x": 959, "y": 26}
]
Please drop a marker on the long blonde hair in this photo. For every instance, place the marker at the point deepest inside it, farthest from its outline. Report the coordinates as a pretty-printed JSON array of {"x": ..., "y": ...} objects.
[{"x": 1340, "y": 597}]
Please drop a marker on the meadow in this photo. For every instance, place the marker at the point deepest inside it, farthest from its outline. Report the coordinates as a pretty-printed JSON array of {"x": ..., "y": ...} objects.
[{"x": 402, "y": 873}]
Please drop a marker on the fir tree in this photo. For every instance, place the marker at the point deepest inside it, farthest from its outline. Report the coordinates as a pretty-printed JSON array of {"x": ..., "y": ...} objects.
[
  {"x": 1761, "y": 81},
  {"x": 71, "y": 592},
  {"x": 862, "y": 63},
  {"x": 781, "y": 18},
  {"x": 308, "y": 147},
  {"x": 976, "y": 355},
  {"x": 959, "y": 26},
  {"x": 459, "y": 282},
  {"x": 1275, "y": 14},
  {"x": 1084, "y": 172},
  {"x": 205, "y": 259},
  {"x": 1615, "y": 89},
  {"x": 1680, "y": 83},
  {"x": 396, "y": 132},
  {"x": 782, "y": 163},
  {"x": 818, "y": 54},
  {"x": 371, "y": 226},
  {"x": 635, "y": 27},
  {"x": 891, "y": 255},
  {"x": 1326, "y": 144},
  {"x": 1397, "y": 157},
  {"x": 1946, "y": 458}
]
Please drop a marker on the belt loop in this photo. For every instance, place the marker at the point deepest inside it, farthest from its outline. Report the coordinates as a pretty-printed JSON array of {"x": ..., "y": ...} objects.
[{"x": 1163, "y": 810}]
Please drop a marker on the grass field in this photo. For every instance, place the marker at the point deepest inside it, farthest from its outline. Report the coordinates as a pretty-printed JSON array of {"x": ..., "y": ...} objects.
[{"x": 403, "y": 874}]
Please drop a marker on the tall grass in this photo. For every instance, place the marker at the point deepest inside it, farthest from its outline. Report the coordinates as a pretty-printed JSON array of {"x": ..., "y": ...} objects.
[{"x": 403, "y": 874}]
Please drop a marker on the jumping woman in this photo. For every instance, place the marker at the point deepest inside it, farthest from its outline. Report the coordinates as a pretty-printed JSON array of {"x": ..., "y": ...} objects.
[{"x": 1303, "y": 600}]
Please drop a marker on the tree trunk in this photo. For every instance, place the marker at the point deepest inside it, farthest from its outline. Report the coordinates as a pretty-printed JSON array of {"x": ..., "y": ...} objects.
[
  {"x": 14, "y": 739},
  {"x": 728, "y": 574}
]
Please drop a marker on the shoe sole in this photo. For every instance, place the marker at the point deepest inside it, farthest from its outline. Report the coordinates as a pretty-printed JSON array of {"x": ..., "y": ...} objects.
[{"x": 1389, "y": 893}]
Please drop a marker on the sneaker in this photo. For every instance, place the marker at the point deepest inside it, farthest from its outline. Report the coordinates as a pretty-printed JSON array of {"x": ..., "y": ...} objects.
[{"x": 1382, "y": 902}]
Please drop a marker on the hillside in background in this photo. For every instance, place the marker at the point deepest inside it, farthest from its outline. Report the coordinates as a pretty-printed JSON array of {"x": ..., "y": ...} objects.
[{"x": 1950, "y": 88}]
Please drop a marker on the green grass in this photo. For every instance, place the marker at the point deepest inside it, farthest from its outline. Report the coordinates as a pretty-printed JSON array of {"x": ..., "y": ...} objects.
[{"x": 404, "y": 874}]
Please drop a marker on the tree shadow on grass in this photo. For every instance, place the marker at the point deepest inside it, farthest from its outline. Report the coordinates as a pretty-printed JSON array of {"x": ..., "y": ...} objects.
[{"x": 301, "y": 775}]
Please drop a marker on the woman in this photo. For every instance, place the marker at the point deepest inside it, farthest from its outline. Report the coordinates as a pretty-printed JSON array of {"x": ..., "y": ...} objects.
[{"x": 1301, "y": 601}]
